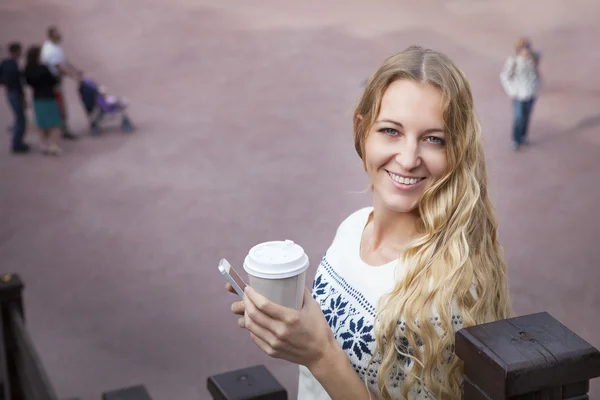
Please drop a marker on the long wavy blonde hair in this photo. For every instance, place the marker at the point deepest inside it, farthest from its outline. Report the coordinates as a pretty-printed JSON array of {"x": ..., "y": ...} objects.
[{"x": 456, "y": 248}]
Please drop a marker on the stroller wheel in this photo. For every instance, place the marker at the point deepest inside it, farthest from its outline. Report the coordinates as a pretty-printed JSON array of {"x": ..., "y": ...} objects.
[{"x": 126, "y": 125}]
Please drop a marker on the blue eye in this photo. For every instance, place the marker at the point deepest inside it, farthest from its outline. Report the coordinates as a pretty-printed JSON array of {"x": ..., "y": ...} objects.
[
  {"x": 435, "y": 140},
  {"x": 389, "y": 131}
]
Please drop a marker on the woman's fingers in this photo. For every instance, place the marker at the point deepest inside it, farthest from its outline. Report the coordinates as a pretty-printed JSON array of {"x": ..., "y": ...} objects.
[
  {"x": 266, "y": 307},
  {"x": 266, "y": 340},
  {"x": 230, "y": 288},
  {"x": 264, "y": 346},
  {"x": 271, "y": 331},
  {"x": 238, "y": 308},
  {"x": 257, "y": 315}
]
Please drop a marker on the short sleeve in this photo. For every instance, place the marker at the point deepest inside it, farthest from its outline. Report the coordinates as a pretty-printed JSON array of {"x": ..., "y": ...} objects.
[{"x": 53, "y": 55}]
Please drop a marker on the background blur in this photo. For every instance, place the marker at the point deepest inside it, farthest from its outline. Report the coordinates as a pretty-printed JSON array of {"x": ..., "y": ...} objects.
[{"x": 243, "y": 112}]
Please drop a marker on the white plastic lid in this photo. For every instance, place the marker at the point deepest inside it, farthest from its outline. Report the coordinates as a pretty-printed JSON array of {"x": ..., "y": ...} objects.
[{"x": 276, "y": 260}]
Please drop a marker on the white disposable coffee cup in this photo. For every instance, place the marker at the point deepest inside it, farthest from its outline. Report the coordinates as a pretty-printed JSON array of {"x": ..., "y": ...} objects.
[{"x": 277, "y": 270}]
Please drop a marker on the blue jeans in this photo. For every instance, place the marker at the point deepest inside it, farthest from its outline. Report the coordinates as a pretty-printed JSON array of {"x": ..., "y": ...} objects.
[
  {"x": 16, "y": 101},
  {"x": 522, "y": 112}
]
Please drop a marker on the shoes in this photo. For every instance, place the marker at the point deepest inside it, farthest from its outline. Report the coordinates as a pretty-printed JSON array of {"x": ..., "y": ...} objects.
[
  {"x": 516, "y": 145},
  {"x": 54, "y": 150},
  {"x": 69, "y": 136},
  {"x": 22, "y": 149},
  {"x": 51, "y": 150}
]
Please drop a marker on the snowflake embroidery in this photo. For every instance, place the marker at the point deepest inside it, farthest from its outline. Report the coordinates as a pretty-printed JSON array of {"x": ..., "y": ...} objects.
[
  {"x": 319, "y": 286},
  {"x": 351, "y": 318},
  {"x": 357, "y": 338},
  {"x": 335, "y": 311}
]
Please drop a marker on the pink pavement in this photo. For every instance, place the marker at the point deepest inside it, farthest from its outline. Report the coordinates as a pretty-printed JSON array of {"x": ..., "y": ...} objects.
[{"x": 244, "y": 135}]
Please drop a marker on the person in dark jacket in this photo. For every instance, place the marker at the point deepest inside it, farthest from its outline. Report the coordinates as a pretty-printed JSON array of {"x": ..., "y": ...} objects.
[
  {"x": 11, "y": 78},
  {"x": 46, "y": 109}
]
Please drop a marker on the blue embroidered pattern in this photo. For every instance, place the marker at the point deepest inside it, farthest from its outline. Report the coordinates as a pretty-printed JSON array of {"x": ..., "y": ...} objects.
[
  {"x": 350, "y": 328},
  {"x": 349, "y": 289},
  {"x": 351, "y": 317}
]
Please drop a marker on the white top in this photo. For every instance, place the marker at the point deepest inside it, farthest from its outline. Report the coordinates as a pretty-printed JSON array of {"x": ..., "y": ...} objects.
[
  {"x": 53, "y": 55},
  {"x": 348, "y": 290},
  {"x": 520, "y": 78}
]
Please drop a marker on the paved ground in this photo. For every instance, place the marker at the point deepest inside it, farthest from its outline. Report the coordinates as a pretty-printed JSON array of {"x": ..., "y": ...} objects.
[{"x": 244, "y": 135}]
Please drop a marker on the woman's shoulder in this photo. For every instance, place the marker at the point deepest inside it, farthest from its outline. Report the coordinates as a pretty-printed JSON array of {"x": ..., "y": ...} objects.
[{"x": 354, "y": 221}]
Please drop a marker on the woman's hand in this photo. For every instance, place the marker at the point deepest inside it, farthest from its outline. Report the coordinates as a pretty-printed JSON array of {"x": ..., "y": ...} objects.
[
  {"x": 302, "y": 337},
  {"x": 299, "y": 336},
  {"x": 237, "y": 307}
]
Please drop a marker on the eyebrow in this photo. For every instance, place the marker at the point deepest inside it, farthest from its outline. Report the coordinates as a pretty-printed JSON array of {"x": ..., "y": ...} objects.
[{"x": 426, "y": 131}]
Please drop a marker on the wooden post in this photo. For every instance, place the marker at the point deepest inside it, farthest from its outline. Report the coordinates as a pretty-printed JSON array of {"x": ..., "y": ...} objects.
[
  {"x": 533, "y": 357},
  {"x": 138, "y": 392},
  {"x": 11, "y": 298},
  {"x": 26, "y": 376},
  {"x": 254, "y": 383}
]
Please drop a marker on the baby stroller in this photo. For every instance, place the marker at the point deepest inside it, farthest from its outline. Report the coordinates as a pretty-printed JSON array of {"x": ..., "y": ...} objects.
[{"x": 99, "y": 106}]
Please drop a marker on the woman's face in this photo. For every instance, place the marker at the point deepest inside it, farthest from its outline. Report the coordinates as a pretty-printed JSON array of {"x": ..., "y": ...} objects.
[{"x": 405, "y": 150}]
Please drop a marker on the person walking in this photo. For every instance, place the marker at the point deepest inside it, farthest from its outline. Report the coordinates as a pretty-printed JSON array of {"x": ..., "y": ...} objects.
[
  {"x": 53, "y": 55},
  {"x": 520, "y": 79},
  {"x": 11, "y": 77},
  {"x": 45, "y": 106}
]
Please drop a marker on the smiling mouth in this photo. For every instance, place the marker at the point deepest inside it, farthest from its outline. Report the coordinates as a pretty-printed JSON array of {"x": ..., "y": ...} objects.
[{"x": 404, "y": 180}]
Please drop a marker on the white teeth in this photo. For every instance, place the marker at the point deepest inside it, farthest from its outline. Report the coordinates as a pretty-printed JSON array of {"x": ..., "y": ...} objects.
[{"x": 405, "y": 181}]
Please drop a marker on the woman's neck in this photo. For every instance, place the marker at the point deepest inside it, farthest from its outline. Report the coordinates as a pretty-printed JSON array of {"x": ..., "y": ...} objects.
[{"x": 390, "y": 229}]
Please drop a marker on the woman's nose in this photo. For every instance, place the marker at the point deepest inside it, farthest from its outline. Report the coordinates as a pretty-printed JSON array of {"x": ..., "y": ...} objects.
[{"x": 408, "y": 155}]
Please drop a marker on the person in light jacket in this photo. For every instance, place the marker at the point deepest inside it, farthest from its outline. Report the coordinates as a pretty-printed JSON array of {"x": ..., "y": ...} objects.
[{"x": 520, "y": 79}]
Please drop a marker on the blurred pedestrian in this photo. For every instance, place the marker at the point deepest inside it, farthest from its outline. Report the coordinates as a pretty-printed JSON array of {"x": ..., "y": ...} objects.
[
  {"x": 55, "y": 59},
  {"x": 520, "y": 79},
  {"x": 11, "y": 77},
  {"x": 45, "y": 106}
]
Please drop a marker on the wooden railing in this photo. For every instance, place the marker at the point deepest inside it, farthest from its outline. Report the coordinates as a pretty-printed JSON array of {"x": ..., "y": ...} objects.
[
  {"x": 22, "y": 373},
  {"x": 532, "y": 357}
]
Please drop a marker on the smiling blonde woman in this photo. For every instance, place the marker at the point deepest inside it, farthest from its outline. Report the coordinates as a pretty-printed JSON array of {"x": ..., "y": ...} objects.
[{"x": 401, "y": 277}]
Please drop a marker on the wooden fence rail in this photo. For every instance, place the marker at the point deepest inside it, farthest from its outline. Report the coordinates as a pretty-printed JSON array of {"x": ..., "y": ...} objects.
[
  {"x": 22, "y": 373},
  {"x": 532, "y": 357}
]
